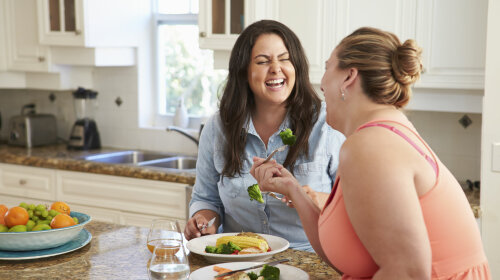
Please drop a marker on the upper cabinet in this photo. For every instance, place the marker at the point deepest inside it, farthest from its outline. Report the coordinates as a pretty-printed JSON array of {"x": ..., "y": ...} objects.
[
  {"x": 88, "y": 23},
  {"x": 221, "y": 21},
  {"x": 24, "y": 52},
  {"x": 452, "y": 34},
  {"x": 453, "y": 37},
  {"x": 54, "y": 44}
]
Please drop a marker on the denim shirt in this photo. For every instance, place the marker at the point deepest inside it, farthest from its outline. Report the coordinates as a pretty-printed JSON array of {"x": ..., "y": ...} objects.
[{"x": 228, "y": 196}]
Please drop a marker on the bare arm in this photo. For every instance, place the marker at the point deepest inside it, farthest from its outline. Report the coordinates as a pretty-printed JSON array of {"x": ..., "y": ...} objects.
[
  {"x": 383, "y": 206},
  {"x": 273, "y": 177}
]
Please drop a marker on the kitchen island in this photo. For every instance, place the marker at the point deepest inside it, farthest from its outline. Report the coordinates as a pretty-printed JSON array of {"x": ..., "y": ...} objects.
[{"x": 119, "y": 252}]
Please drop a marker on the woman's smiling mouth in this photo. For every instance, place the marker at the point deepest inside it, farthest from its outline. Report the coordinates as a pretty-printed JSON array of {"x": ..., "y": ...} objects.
[{"x": 275, "y": 83}]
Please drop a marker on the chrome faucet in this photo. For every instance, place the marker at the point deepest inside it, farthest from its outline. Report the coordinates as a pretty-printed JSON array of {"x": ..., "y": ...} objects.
[{"x": 185, "y": 133}]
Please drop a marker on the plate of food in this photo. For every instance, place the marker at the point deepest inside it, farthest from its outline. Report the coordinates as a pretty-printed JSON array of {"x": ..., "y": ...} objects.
[
  {"x": 285, "y": 271},
  {"x": 237, "y": 247}
]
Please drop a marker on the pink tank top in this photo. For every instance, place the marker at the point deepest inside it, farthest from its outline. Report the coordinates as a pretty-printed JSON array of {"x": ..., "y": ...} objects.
[{"x": 457, "y": 250}]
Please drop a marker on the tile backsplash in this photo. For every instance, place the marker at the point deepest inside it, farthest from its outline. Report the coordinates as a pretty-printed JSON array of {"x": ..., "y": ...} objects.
[{"x": 458, "y": 148}]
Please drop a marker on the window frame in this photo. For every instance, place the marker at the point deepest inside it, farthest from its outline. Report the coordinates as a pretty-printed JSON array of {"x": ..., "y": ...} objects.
[{"x": 166, "y": 119}]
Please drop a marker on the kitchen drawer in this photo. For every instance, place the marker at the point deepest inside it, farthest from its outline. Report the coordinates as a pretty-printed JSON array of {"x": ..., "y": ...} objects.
[
  {"x": 156, "y": 198},
  {"x": 25, "y": 181},
  {"x": 98, "y": 214},
  {"x": 11, "y": 201}
]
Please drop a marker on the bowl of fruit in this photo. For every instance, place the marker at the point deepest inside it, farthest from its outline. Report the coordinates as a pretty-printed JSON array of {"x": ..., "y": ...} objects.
[{"x": 29, "y": 227}]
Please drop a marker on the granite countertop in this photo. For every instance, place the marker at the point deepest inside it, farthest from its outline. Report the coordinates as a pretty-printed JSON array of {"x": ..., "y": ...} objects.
[
  {"x": 119, "y": 252},
  {"x": 59, "y": 157}
]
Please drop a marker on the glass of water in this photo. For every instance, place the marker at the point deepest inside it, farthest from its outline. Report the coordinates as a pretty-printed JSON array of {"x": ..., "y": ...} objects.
[{"x": 169, "y": 261}]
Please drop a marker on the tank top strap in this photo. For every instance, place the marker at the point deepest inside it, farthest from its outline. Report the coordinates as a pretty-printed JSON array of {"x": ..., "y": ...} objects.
[{"x": 432, "y": 161}]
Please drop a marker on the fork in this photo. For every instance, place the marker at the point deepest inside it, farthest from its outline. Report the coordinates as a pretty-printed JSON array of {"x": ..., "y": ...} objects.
[{"x": 280, "y": 149}]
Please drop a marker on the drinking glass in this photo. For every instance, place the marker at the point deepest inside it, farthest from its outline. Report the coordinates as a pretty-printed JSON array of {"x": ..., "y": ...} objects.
[
  {"x": 169, "y": 261},
  {"x": 163, "y": 230}
]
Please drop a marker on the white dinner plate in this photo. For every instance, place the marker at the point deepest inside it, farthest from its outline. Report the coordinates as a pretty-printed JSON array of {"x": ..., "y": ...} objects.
[
  {"x": 197, "y": 246},
  {"x": 287, "y": 272}
]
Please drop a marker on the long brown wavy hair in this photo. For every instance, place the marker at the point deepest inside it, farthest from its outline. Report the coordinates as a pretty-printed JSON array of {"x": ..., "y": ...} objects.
[{"x": 237, "y": 101}]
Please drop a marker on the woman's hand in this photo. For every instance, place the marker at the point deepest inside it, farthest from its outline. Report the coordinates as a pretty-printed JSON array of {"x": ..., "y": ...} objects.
[
  {"x": 199, "y": 219},
  {"x": 273, "y": 177}
]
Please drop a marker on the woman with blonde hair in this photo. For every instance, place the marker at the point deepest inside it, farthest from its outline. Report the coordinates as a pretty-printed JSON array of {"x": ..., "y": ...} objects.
[{"x": 395, "y": 211}]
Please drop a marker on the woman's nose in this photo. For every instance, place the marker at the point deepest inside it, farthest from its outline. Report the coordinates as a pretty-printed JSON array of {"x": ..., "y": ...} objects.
[{"x": 275, "y": 67}]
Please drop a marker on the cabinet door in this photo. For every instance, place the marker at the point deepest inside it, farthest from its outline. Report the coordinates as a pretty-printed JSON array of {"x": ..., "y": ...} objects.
[
  {"x": 3, "y": 38},
  {"x": 24, "y": 53},
  {"x": 221, "y": 21},
  {"x": 29, "y": 182},
  {"x": 142, "y": 220},
  {"x": 453, "y": 36},
  {"x": 11, "y": 201},
  {"x": 97, "y": 213},
  {"x": 122, "y": 193},
  {"x": 60, "y": 22}
]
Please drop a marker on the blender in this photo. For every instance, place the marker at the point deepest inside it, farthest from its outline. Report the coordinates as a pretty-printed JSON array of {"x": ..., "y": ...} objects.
[{"x": 84, "y": 134}]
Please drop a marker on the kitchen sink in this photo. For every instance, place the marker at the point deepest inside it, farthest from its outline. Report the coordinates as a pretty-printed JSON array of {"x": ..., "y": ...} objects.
[
  {"x": 178, "y": 162},
  {"x": 126, "y": 157},
  {"x": 155, "y": 160}
]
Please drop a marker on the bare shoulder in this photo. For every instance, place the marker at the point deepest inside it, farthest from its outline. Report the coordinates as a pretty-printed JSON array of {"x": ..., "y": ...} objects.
[{"x": 372, "y": 155}]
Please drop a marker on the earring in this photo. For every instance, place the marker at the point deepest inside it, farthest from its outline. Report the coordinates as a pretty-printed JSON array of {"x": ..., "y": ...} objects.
[{"x": 342, "y": 95}]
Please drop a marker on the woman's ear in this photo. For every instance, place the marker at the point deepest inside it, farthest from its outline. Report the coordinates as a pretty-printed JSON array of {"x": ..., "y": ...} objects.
[{"x": 352, "y": 74}]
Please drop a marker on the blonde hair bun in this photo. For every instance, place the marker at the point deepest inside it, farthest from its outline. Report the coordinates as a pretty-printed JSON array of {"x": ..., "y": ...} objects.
[{"x": 406, "y": 63}]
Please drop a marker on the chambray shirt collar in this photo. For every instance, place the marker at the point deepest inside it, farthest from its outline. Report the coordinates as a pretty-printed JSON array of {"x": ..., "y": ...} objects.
[{"x": 250, "y": 128}]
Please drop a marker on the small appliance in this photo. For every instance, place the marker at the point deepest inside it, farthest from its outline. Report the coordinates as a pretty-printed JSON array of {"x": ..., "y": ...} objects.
[
  {"x": 31, "y": 129},
  {"x": 84, "y": 134}
]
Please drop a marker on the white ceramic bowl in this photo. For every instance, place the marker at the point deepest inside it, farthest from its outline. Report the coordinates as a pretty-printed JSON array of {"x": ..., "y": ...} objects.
[
  {"x": 197, "y": 246},
  {"x": 38, "y": 240}
]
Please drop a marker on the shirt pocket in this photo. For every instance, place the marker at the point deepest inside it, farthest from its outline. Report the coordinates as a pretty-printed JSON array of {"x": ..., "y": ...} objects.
[
  {"x": 231, "y": 187},
  {"x": 314, "y": 174}
]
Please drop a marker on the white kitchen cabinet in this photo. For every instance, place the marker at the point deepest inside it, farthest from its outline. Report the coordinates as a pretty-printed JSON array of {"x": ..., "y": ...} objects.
[
  {"x": 115, "y": 199},
  {"x": 26, "y": 181},
  {"x": 452, "y": 34},
  {"x": 7, "y": 79},
  {"x": 221, "y": 21},
  {"x": 24, "y": 52},
  {"x": 126, "y": 195},
  {"x": 11, "y": 201},
  {"x": 98, "y": 213},
  {"x": 88, "y": 23}
]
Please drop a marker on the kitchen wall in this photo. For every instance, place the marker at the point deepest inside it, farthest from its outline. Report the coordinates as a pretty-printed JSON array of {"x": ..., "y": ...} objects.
[{"x": 458, "y": 147}]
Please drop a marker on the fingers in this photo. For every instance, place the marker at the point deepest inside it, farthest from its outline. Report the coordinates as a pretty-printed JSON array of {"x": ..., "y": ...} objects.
[
  {"x": 195, "y": 227},
  {"x": 262, "y": 171}
]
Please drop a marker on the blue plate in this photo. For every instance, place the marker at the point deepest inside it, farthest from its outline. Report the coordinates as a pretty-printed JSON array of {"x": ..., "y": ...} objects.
[{"x": 82, "y": 239}]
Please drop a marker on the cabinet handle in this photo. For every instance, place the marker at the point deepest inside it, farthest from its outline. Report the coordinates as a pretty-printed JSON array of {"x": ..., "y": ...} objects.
[
  {"x": 203, "y": 34},
  {"x": 78, "y": 32},
  {"x": 22, "y": 182},
  {"x": 41, "y": 59}
]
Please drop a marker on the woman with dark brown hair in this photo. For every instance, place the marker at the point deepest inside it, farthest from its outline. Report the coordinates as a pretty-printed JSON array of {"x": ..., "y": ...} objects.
[
  {"x": 267, "y": 91},
  {"x": 395, "y": 211}
]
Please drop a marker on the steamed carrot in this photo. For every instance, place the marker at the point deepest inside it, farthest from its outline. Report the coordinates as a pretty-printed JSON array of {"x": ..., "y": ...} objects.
[{"x": 221, "y": 270}]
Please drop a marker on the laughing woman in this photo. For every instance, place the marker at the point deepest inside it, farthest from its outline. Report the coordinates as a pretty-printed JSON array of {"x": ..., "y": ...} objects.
[{"x": 267, "y": 91}]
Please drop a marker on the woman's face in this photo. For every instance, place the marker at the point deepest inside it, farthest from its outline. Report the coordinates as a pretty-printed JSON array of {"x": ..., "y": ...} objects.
[
  {"x": 331, "y": 84},
  {"x": 271, "y": 75}
]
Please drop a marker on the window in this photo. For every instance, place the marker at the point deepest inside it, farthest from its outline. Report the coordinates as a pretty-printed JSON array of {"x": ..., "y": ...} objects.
[{"x": 185, "y": 72}]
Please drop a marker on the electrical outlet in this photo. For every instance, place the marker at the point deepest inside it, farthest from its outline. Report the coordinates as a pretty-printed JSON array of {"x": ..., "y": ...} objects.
[{"x": 495, "y": 159}]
